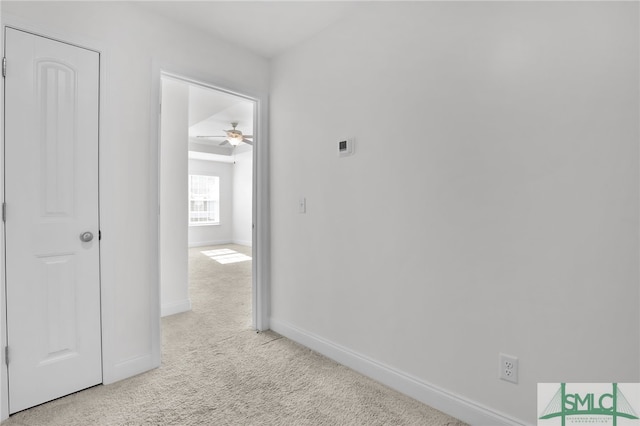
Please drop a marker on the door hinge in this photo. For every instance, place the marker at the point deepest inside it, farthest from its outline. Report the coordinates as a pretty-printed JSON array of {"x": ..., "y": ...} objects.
[
  {"x": 6, "y": 355},
  {"x": 4, "y": 66},
  {"x": 4, "y": 212},
  {"x": 99, "y": 235}
]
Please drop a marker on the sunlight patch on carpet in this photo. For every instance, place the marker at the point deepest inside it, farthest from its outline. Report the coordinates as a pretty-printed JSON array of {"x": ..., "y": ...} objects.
[{"x": 224, "y": 256}]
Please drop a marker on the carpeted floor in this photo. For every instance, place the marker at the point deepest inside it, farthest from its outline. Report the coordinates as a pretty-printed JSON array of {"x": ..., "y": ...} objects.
[{"x": 217, "y": 371}]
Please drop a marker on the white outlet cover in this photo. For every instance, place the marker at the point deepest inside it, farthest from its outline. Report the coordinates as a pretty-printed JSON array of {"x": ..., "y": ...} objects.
[{"x": 508, "y": 368}]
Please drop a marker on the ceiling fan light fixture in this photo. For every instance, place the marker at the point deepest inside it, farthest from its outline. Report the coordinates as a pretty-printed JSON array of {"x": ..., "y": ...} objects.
[
  {"x": 233, "y": 137},
  {"x": 235, "y": 141}
]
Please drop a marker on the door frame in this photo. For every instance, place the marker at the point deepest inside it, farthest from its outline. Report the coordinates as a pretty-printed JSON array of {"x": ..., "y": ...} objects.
[
  {"x": 260, "y": 203},
  {"x": 11, "y": 21}
]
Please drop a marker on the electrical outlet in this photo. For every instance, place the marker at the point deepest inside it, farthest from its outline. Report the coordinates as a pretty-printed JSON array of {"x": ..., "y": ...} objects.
[{"x": 508, "y": 369}]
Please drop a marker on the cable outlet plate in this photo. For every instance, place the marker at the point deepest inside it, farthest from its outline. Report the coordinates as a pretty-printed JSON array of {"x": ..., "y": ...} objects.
[{"x": 508, "y": 368}]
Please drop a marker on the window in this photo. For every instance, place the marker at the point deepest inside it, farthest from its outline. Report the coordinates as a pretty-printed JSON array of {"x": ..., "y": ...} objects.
[{"x": 204, "y": 200}]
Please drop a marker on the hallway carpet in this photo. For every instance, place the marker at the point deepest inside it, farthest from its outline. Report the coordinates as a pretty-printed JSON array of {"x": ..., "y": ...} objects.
[{"x": 217, "y": 371}]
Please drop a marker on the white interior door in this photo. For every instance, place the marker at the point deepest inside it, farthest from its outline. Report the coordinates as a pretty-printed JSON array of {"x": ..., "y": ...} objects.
[{"x": 51, "y": 194}]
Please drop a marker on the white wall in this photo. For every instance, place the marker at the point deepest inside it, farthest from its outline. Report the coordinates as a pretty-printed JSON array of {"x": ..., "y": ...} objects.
[
  {"x": 507, "y": 218},
  {"x": 203, "y": 235},
  {"x": 242, "y": 198},
  {"x": 133, "y": 44},
  {"x": 174, "y": 261}
]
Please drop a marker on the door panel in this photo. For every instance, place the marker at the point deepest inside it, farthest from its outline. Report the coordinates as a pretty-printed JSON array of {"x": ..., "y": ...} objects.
[{"x": 51, "y": 191}]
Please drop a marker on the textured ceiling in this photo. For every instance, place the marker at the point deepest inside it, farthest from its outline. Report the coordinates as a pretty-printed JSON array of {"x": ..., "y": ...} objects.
[
  {"x": 211, "y": 112},
  {"x": 264, "y": 27}
]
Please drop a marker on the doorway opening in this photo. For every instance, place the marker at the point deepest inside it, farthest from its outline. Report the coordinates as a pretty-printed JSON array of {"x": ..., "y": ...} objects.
[{"x": 207, "y": 204}]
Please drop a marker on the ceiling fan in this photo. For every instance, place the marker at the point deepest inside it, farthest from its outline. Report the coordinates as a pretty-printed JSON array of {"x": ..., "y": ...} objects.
[{"x": 233, "y": 137}]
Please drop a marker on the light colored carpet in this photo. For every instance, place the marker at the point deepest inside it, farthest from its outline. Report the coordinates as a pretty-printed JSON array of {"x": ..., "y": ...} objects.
[{"x": 217, "y": 371}]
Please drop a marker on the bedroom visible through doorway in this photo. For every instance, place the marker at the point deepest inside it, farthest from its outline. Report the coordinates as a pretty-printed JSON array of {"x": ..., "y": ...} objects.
[{"x": 206, "y": 196}]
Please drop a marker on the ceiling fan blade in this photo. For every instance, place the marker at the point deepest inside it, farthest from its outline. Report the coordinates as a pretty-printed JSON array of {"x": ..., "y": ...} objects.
[
  {"x": 247, "y": 141},
  {"x": 248, "y": 136},
  {"x": 211, "y": 136},
  {"x": 225, "y": 143}
]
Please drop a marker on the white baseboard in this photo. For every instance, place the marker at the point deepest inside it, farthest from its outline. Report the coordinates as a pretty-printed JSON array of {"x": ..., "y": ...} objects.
[
  {"x": 455, "y": 405},
  {"x": 175, "y": 307},
  {"x": 243, "y": 242},
  {"x": 210, "y": 243}
]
